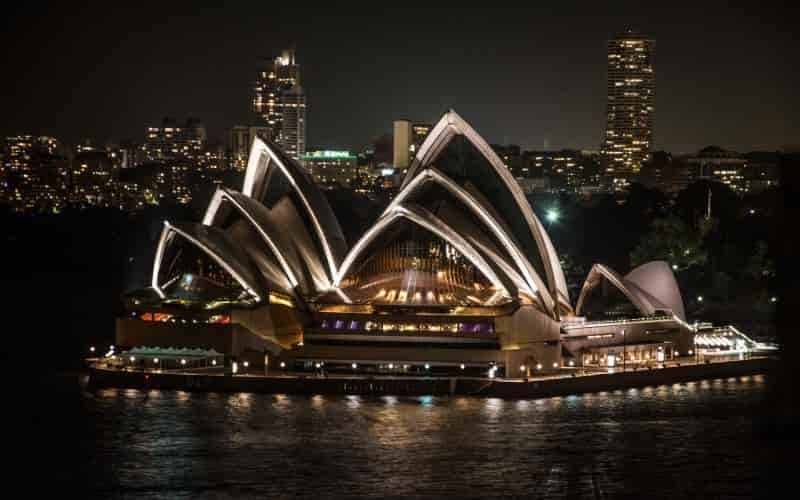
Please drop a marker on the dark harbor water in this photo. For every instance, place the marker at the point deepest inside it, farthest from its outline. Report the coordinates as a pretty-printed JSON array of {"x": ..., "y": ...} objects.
[{"x": 691, "y": 440}]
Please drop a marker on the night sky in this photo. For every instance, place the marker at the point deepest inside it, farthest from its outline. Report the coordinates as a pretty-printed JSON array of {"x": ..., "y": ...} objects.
[{"x": 532, "y": 76}]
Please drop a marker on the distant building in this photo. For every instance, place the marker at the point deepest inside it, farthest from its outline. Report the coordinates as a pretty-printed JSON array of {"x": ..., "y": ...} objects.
[
  {"x": 630, "y": 106},
  {"x": 279, "y": 103},
  {"x": 240, "y": 139},
  {"x": 91, "y": 177},
  {"x": 35, "y": 174},
  {"x": 146, "y": 184},
  {"x": 717, "y": 164},
  {"x": 403, "y": 140},
  {"x": 331, "y": 169},
  {"x": 566, "y": 169},
  {"x": 292, "y": 137},
  {"x": 762, "y": 171},
  {"x": 665, "y": 172},
  {"x": 173, "y": 142},
  {"x": 511, "y": 156},
  {"x": 419, "y": 131}
]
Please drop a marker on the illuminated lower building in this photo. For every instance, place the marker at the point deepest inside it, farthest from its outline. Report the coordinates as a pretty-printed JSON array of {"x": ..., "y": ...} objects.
[
  {"x": 331, "y": 169},
  {"x": 717, "y": 164},
  {"x": 457, "y": 275}
]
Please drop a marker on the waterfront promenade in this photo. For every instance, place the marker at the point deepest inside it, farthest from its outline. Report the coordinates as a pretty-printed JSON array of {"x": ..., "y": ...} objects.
[{"x": 546, "y": 386}]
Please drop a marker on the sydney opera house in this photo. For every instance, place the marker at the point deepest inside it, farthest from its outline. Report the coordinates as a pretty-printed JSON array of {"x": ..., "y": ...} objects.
[{"x": 458, "y": 275}]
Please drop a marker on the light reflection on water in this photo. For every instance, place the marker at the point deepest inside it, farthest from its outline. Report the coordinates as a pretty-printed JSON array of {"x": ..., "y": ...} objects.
[{"x": 182, "y": 444}]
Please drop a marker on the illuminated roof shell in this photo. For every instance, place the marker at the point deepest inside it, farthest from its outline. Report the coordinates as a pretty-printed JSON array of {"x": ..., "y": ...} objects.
[
  {"x": 649, "y": 287},
  {"x": 452, "y": 125}
]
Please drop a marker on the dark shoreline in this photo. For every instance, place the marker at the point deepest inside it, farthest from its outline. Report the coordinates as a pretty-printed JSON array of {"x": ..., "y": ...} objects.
[{"x": 102, "y": 378}]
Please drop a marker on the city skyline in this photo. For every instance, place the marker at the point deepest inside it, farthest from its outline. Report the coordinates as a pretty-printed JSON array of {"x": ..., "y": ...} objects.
[{"x": 705, "y": 87}]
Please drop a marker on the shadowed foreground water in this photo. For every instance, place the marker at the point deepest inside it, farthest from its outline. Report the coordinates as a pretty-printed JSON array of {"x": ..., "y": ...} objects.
[{"x": 697, "y": 439}]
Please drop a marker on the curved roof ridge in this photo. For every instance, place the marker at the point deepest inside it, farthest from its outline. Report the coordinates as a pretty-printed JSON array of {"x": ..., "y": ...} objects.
[
  {"x": 427, "y": 220},
  {"x": 236, "y": 266},
  {"x": 246, "y": 206},
  {"x": 532, "y": 279},
  {"x": 330, "y": 233},
  {"x": 657, "y": 279},
  {"x": 452, "y": 124},
  {"x": 643, "y": 299}
]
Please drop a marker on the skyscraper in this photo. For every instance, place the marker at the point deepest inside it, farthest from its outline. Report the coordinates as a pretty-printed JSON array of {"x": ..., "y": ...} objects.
[
  {"x": 280, "y": 103},
  {"x": 292, "y": 137},
  {"x": 631, "y": 94}
]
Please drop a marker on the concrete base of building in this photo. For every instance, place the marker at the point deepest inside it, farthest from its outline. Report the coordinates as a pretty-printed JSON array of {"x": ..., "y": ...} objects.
[{"x": 550, "y": 387}]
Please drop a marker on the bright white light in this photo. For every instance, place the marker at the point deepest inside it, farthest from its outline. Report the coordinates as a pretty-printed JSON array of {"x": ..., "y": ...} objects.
[
  {"x": 354, "y": 366},
  {"x": 133, "y": 359},
  {"x": 183, "y": 361},
  {"x": 552, "y": 215},
  {"x": 462, "y": 366},
  {"x": 214, "y": 362},
  {"x": 427, "y": 366},
  {"x": 246, "y": 364},
  {"x": 674, "y": 267},
  {"x": 91, "y": 349},
  {"x": 773, "y": 299},
  {"x": 691, "y": 352},
  {"x": 391, "y": 366},
  {"x": 155, "y": 361},
  {"x": 571, "y": 363},
  {"x": 235, "y": 367},
  {"x": 283, "y": 365},
  {"x": 699, "y": 298},
  {"x": 539, "y": 366},
  {"x": 317, "y": 365},
  {"x": 522, "y": 368},
  {"x": 611, "y": 360},
  {"x": 555, "y": 365}
]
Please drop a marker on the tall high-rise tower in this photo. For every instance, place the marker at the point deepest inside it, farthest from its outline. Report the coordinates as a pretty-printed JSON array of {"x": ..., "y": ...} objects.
[
  {"x": 631, "y": 95},
  {"x": 292, "y": 137},
  {"x": 279, "y": 103}
]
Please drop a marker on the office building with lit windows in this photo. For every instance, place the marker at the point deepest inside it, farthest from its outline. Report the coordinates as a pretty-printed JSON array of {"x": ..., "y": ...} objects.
[
  {"x": 35, "y": 174},
  {"x": 458, "y": 275},
  {"x": 630, "y": 106},
  {"x": 717, "y": 164},
  {"x": 279, "y": 103},
  {"x": 331, "y": 169},
  {"x": 419, "y": 132},
  {"x": 171, "y": 141}
]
